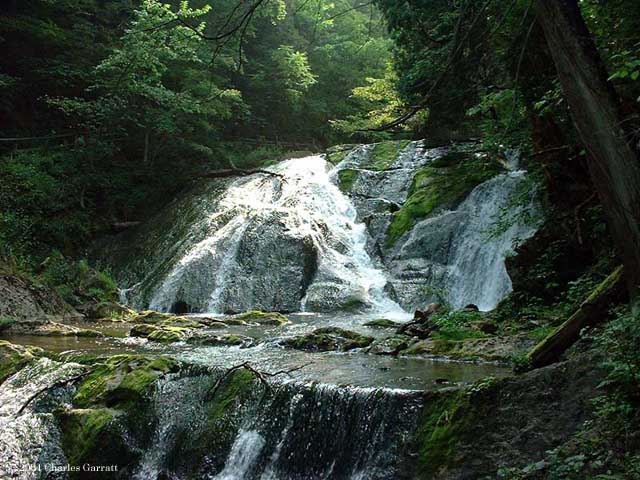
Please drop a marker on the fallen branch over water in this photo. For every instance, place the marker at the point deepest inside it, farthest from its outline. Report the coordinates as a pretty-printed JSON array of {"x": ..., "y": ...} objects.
[
  {"x": 262, "y": 376},
  {"x": 239, "y": 172},
  {"x": 58, "y": 384}
]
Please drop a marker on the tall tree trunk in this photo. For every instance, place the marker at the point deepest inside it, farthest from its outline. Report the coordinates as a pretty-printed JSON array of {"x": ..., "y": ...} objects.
[{"x": 595, "y": 108}]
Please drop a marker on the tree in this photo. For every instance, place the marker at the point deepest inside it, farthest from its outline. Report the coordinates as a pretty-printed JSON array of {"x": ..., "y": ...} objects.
[{"x": 595, "y": 108}]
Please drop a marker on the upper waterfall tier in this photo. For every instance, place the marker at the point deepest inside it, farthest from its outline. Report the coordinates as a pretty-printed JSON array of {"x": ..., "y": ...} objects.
[
  {"x": 374, "y": 227},
  {"x": 285, "y": 242}
]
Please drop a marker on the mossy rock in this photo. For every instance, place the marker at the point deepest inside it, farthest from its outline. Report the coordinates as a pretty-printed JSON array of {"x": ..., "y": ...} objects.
[
  {"x": 442, "y": 184},
  {"x": 383, "y": 323},
  {"x": 6, "y": 322},
  {"x": 263, "y": 318},
  {"x": 107, "y": 311},
  {"x": 337, "y": 153},
  {"x": 167, "y": 319},
  {"x": 384, "y": 154},
  {"x": 389, "y": 345},
  {"x": 15, "y": 357},
  {"x": 54, "y": 329},
  {"x": 122, "y": 380},
  {"x": 91, "y": 436},
  {"x": 230, "y": 339},
  {"x": 329, "y": 339},
  {"x": 159, "y": 333},
  {"x": 346, "y": 179}
]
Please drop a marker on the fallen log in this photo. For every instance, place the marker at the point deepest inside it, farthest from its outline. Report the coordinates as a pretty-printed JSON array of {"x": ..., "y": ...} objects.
[
  {"x": 592, "y": 311},
  {"x": 238, "y": 172}
]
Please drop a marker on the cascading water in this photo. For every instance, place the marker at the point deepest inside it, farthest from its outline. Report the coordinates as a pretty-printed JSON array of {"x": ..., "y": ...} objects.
[
  {"x": 264, "y": 225},
  {"x": 287, "y": 431},
  {"x": 478, "y": 275}
]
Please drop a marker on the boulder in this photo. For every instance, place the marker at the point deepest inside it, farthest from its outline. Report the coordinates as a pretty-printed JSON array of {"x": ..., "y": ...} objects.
[
  {"x": 389, "y": 345},
  {"x": 329, "y": 339}
]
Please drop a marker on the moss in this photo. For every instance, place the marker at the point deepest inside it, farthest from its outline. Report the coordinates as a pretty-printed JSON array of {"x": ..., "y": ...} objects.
[
  {"x": 441, "y": 184},
  {"x": 169, "y": 334},
  {"x": 6, "y": 322},
  {"x": 328, "y": 339},
  {"x": 83, "y": 430},
  {"x": 121, "y": 380},
  {"x": 347, "y": 178},
  {"x": 15, "y": 357},
  {"x": 352, "y": 304},
  {"x": 337, "y": 153},
  {"x": 263, "y": 318},
  {"x": 384, "y": 154},
  {"x": 165, "y": 319},
  {"x": 232, "y": 390},
  {"x": 444, "y": 421}
]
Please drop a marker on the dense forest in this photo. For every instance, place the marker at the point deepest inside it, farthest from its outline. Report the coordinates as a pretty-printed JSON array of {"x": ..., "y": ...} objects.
[{"x": 127, "y": 129}]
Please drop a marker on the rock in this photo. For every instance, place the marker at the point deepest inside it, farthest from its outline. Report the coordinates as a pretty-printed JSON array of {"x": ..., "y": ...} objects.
[
  {"x": 28, "y": 303},
  {"x": 14, "y": 357},
  {"x": 418, "y": 328},
  {"x": 471, "y": 308},
  {"x": 487, "y": 326},
  {"x": 329, "y": 339},
  {"x": 422, "y": 315},
  {"x": 262, "y": 318},
  {"x": 389, "y": 345},
  {"x": 160, "y": 333},
  {"x": 229, "y": 339},
  {"x": 106, "y": 310},
  {"x": 493, "y": 349},
  {"x": 383, "y": 323},
  {"x": 54, "y": 329}
]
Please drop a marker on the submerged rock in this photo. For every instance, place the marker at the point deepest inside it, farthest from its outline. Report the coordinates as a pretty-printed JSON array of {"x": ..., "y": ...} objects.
[
  {"x": 227, "y": 340},
  {"x": 329, "y": 339},
  {"x": 14, "y": 357}
]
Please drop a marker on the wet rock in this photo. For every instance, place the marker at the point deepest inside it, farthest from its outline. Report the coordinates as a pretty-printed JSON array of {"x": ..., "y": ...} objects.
[
  {"x": 53, "y": 329},
  {"x": 422, "y": 315},
  {"x": 471, "y": 308},
  {"x": 14, "y": 357},
  {"x": 383, "y": 323},
  {"x": 329, "y": 339},
  {"x": 160, "y": 333},
  {"x": 389, "y": 346},
  {"x": 486, "y": 326},
  {"x": 229, "y": 339},
  {"x": 106, "y": 310},
  {"x": 262, "y": 318},
  {"x": 493, "y": 349}
]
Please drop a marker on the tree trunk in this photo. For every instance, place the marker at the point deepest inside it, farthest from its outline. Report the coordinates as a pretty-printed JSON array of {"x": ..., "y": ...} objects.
[
  {"x": 145, "y": 158},
  {"x": 592, "y": 311},
  {"x": 595, "y": 108}
]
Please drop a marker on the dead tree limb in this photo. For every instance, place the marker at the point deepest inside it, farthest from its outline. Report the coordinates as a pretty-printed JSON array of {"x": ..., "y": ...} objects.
[
  {"x": 592, "y": 311},
  {"x": 58, "y": 384},
  {"x": 261, "y": 376},
  {"x": 239, "y": 172}
]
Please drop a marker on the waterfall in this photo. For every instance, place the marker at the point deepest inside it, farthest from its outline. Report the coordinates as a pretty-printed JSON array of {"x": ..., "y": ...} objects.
[
  {"x": 285, "y": 242},
  {"x": 478, "y": 275},
  {"x": 289, "y": 431}
]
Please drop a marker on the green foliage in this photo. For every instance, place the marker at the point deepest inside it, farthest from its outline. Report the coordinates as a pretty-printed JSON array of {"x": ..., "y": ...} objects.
[
  {"x": 441, "y": 184},
  {"x": 76, "y": 281}
]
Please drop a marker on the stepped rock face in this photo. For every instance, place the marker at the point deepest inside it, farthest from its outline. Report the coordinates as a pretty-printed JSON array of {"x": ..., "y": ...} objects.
[{"x": 372, "y": 228}]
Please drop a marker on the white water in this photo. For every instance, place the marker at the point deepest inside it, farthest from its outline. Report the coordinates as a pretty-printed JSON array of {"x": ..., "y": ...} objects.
[
  {"x": 478, "y": 274},
  {"x": 311, "y": 206},
  {"x": 244, "y": 452}
]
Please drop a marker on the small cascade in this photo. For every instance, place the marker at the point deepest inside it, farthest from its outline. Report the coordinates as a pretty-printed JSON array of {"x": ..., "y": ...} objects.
[
  {"x": 478, "y": 275},
  {"x": 285, "y": 242},
  {"x": 290, "y": 431},
  {"x": 29, "y": 439}
]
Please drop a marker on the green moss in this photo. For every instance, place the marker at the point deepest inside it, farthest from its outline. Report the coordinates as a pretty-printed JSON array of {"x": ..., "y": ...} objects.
[
  {"x": 447, "y": 421},
  {"x": 346, "y": 178},
  {"x": 337, "y": 153},
  {"x": 384, "y": 154},
  {"x": 233, "y": 389},
  {"x": 263, "y": 318},
  {"x": 330, "y": 339},
  {"x": 444, "y": 420},
  {"x": 83, "y": 430},
  {"x": 15, "y": 357},
  {"x": 121, "y": 380},
  {"x": 441, "y": 184},
  {"x": 6, "y": 322},
  {"x": 352, "y": 304},
  {"x": 169, "y": 334}
]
